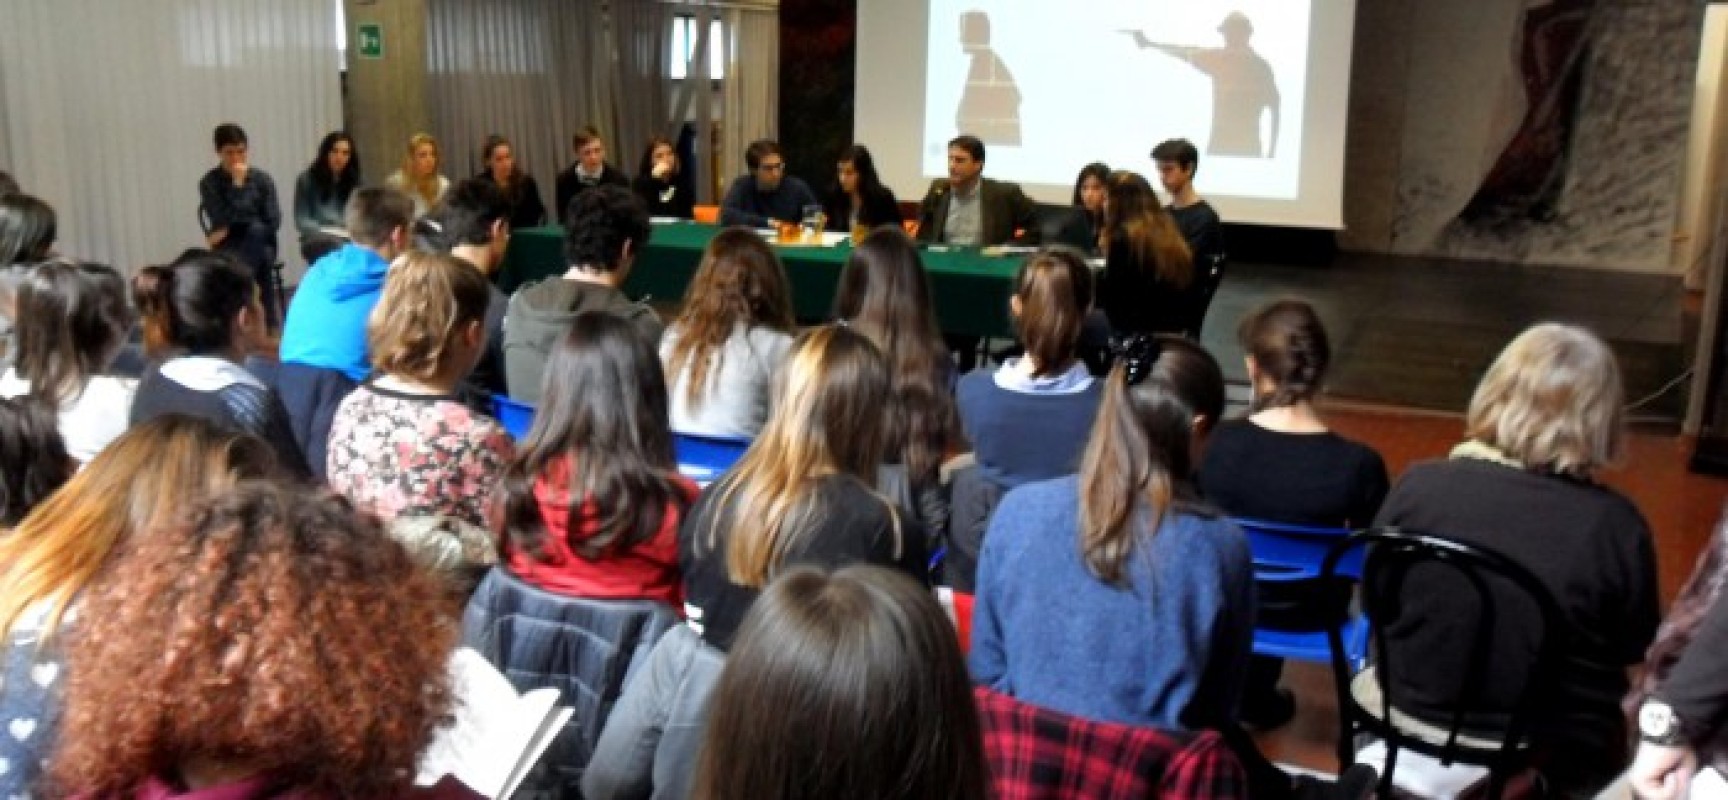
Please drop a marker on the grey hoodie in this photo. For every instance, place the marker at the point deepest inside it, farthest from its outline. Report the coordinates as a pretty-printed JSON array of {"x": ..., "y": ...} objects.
[{"x": 540, "y": 312}]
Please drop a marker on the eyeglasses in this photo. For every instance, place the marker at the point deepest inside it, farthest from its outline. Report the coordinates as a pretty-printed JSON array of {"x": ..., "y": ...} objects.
[{"x": 772, "y": 167}]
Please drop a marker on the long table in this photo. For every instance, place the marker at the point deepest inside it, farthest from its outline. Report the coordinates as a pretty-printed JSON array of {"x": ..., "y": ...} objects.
[{"x": 971, "y": 289}]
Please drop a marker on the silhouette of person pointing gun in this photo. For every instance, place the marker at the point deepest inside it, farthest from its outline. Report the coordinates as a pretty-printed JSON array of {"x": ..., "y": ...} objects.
[{"x": 1243, "y": 88}]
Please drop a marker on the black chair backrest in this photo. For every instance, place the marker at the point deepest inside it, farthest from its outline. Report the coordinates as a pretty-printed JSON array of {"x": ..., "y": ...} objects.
[
  {"x": 1497, "y": 586},
  {"x": 1209, "y": 274}
]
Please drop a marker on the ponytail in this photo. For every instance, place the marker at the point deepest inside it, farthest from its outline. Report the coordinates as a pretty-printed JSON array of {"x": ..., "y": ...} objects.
[{"x": 1055, "y": 291}]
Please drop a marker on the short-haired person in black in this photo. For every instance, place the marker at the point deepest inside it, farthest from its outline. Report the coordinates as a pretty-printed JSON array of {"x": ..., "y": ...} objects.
[
  {"x": 588, "y": 171},
  {"x": 1177, "y": 160},
  {"x": 239, "y": 204},
  {"x": 665, "y": 188},
  {"x": 858, "y": 197},
  {"x": 767, "y": 194},
  {"x": 472, "y": 223},
  {"x": 604, "y": 230}
]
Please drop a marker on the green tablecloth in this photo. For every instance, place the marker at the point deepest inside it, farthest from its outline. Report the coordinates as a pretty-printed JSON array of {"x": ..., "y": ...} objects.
[{"x": 971, "y": 289}]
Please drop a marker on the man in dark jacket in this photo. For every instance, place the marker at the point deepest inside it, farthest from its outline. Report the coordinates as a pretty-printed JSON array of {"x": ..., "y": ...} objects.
[
  {"x": 970, "y": 210},
  {"x": 586, "y": 172},
  {"x": 766, "y": 195},
  {"x": 604, "y": 229}
]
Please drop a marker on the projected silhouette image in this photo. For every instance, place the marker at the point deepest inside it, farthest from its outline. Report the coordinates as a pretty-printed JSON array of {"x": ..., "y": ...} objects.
[
  {"x": 1244, "y": 88},
  {"x": 990, "y": 103}
]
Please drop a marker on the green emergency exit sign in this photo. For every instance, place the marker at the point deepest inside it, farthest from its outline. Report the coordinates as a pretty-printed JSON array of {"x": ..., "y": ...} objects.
[{"x": 369, "y": 40}]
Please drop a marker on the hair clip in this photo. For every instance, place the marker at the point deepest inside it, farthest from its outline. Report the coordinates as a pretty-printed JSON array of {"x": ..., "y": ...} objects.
[{"x": 1137, "y": 353}]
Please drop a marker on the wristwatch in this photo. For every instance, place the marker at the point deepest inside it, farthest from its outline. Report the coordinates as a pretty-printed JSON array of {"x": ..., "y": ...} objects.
[{"x": 1659, "y": 725}]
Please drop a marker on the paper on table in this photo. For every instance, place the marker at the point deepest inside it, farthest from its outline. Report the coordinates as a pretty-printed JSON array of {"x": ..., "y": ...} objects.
[{"x": 497, "y": 735}]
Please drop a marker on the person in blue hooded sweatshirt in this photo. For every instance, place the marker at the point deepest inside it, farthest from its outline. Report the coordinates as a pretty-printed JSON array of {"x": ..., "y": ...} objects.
[{"x": 323, "y": 349}]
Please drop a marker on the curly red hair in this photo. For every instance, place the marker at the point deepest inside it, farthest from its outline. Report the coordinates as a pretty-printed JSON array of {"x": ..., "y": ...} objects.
[{"x": 277, "y": 629}]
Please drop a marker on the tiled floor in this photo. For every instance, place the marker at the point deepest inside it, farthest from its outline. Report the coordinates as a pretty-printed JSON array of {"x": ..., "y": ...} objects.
[{"x": 1681, "y": 508}]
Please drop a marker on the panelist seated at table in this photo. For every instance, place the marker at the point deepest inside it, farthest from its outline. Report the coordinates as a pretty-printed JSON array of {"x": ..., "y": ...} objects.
[
  {"x": 858, "y": 197},
  {"x": 766, "y": 194},
  {"x": 969, "y": 210},
  {"x": 588, "y": 171},
  {"x": 604, "y": 230}
]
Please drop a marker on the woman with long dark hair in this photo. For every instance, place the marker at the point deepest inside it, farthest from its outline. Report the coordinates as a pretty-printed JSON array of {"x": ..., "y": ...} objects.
[
  {"x": 520, "y": 190},
  {"x": 1091, "y": 186},
  {"x": 72, "y": 320},
  {"x": 27, "y": 230},
  {"x": 591, "y": 504},
  {"x": 665, "y": 189},
  {"x": 1149, "y": 282},
  {"x": 858, "y": 198},
  {"x": 321, "y": 194}
]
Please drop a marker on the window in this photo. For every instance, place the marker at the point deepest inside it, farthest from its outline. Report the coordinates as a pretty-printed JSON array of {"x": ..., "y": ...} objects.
[{"x": 684, "y": 35}]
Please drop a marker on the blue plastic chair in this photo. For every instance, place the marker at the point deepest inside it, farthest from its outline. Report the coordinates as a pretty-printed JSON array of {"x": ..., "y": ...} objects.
[
  {"x": 704, "y": 458},
  {"x": 516, "y": 417},
  {"x": 1284, "y": 553}
]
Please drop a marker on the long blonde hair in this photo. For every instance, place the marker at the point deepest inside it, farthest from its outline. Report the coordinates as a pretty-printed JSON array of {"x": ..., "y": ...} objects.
[
  {"x": 424, "y": 185},
  {"x": 827, "y": 421},
  {"x": 139, "y": 481}
]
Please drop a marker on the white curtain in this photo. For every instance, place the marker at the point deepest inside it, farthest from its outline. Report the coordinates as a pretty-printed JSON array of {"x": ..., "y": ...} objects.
[
  {"x": 108, "y": 110},
  {"x": 752, "y": 84},
  {"x": 524, "y": 69}
]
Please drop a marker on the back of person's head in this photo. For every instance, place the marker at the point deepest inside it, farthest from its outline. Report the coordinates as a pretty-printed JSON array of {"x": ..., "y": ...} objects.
[
  {"x": 1134, "y": 218},
  {"x": 975, "y": 28},
  {"x": 1552, "y": 400},
  {"x": 228, "y": 134},
  {"x": 274, "y": 631},
  {"x": 598, "y": 225},
  {"x": 375, "y": 214},
  {"x": 1290, "y": 352},
  {"x": 1053, "y": 293},
  {"x": 885, "y": 293},
  {"x": 603, "y": 414},
  {"x": 1098, "y": 171},
  {"x": 842, "y": 686},
  {"x": 8, "y": 184},
  {"x": 71, "y": 320},
  {"x": 1180, "y": 152},
  {"x": 973, "y": 145},
  {"x": 467, "y": 215},
  {"x": 33, "y": 459},
  {"x": 1162, "y": 393},
  {"x": 193, "y": 305},
  {"x": 739, "y": 282},
  {"x": 758, "y": 150},
  {"x": 27, "y": 229},
  {"x": 826, "y": 420},
  {"x": 138, "y": 481},
  {"x": 428, "y": 303}
]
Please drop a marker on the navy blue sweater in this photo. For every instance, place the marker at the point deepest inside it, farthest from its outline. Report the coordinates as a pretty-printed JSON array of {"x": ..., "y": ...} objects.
[{"x": 1019, "y": 437}]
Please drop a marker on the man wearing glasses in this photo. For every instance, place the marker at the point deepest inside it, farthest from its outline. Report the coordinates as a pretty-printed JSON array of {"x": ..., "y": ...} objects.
[{"x": 767, "y": 194}]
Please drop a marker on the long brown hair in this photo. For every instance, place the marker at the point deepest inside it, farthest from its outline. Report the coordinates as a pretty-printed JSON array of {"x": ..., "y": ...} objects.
[
  {"x": 1137, "y": 461},
  {"x": 826, "y": 421},
  {"x": 138, "y": 481},
  {"x": 512, "y": 183},
  {"x": 1134, "y": 218},
  {"x": 1054, "y": 287},
  {"x": 740, "y": 282},
  {"x": 72, "y": 318},
  {"x": 848, "y": 686}
]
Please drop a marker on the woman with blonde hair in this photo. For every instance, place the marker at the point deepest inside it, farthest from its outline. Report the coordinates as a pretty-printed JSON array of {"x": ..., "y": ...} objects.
[
  {"x": 62, "y": 547},
  {"x": 1546, "y": 417},
  {"x": 803, "y": 493},
  {"x": 734, "y": 332},
  {"x": 1148, "y": 284},
  {"x": 419, "y": 177}
]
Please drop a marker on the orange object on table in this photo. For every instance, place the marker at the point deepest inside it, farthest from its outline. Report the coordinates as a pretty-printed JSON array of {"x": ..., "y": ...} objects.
[{"x": 707, "y": 215}]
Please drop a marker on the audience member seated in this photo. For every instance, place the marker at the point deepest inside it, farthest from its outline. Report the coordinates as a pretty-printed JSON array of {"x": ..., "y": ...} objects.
[
  {"x": 33, "y": 460},
  {"x": 858, "y": 199},
  {"x": 1282, "y": 464},
  {"x": 419, "y": 177},
  {"x": 588, "y": 171},
  {"x": 239, "y": 204},
  {"x": 472, "y": 223},
  {"x": 1090, "y": 188},
  {"x": 604, "y": 230},
  {"x": 651, "y": 740},
  {"x": 730, "y": 338},
  {"x": 273, "y": 644},
  {"x": 321, "y": 195},
  {"x": 847, "y": 686},
  {"x": 1028, "y": 419},
  {"x": 665, "y": 190},
  {"x": 324, "y": 340},
  {"x": 970, "y": 210},
  {"x": 591, "y": 504},
  {"x": 62, "y": 547},
  {"x": 803, "y": 492},
  {"x": 402, "y": 445},
  {"x": 1148, "y": 284},
  {"x": 27, "y": 228},
  {"x": 1684, "y": 697},
  {"x": 1546, "y": 416},
  {"x": 767, "y": 195},
  {"x": 521, "y": 193},
  {"x": 1177, "y": 159},
  {"x": 72, "y": 320},
  {"x": 884, "y": 293},
  {"x": 201, "y": 317}
]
